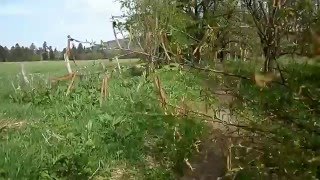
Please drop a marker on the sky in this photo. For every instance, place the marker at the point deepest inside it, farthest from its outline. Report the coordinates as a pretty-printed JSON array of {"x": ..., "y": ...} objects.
[{"x": 36, "y": 21}]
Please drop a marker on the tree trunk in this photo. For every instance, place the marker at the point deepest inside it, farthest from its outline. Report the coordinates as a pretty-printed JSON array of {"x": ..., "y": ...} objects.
[
  {"x": 270, "y": 57},
  {"x": 222, "y": 52},
  {"x": 270, "y": 46}
]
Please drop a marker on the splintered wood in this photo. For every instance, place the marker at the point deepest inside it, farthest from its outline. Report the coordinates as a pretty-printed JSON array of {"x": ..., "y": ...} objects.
[
  {"x": 163, "y": 99},
  {"x": 104, "y": 90}
]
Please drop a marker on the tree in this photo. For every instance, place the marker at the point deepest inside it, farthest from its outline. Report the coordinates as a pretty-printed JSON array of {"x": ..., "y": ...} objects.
[
  {"x": 63, "y": 52},
  {"x": 57, "y": 54},
  {"x": 16, "y": 53},
  {"x": 44, "y": 46},
  {"x": 33, "y": 48},
  {"x": 3, "y": 54},
  {"x": 44, "y": 53},
  {"x": 182, "y": 29},
  {"x": 274, "y": 24},
  {"x": 51, "y": 53},
  {"x": 73, "y": 52},
  {"x": 79, "y": 54},
  {"x": 80, "y": 49}
]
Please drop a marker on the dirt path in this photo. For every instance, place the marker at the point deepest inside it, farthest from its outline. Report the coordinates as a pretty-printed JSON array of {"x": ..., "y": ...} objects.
[{"x": 211, "y": 162}]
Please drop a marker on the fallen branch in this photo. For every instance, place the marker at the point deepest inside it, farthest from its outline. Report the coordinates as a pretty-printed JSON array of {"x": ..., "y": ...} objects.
[{"x": 222, "y": 72}]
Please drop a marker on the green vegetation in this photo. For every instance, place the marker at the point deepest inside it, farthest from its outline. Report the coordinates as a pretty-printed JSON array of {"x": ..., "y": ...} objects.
[
  {"x": 70, "y": 137},
  {"x": 274, "y": 130},
  {"x": 270, "y": 129},
  {"x": 284, "y": 119}
]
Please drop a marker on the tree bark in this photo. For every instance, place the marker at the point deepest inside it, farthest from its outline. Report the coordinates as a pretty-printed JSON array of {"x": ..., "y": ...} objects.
[
  {"x": 270, "y": 45},
  {"x": 269, "y": 55}
]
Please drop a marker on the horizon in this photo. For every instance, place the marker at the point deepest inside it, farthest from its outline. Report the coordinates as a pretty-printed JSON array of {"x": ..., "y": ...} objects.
[{"x": 34, "y": 21}]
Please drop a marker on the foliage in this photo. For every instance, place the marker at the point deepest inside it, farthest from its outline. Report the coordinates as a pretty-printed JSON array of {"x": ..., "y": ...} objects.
[{"x": 285, "y": 121}]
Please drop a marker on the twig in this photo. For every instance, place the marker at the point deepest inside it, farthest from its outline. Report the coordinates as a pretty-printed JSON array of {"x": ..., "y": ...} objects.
[
  {"x": 71, "y": 83},
  {"x": 101, "y": 92},
  {"x": 118, "y": 64},
  {"x": 222, "y": 72},
  {"x": 164, "y": 48},
  {"x": 281, "y": 74},
  {"x": 188, "y": 164},
  {"x": 103, "y": 66},
  {"x": 105, "y": 86},
  {"x": 3, "y": 128},
  {"x": 115, "y": 34},
  {"x": 24, "y": 74},
  {"x": 163, "y": 98},
  {"x": 96, "y": 171},
  {"x": 229, "y": 156},
  {"x": 232, "y": 75}
]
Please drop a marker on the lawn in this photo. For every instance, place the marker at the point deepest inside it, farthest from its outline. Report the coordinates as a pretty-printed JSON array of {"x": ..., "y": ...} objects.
[{"x": 45, "y": 134}]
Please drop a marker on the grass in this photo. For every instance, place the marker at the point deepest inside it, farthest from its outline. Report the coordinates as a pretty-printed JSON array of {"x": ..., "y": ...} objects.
[
  {"x": 51, "y": 67},
  {"x": 47, "y": 135}
]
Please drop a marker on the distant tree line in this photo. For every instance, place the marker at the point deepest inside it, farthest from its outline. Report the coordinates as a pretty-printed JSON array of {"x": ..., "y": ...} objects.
[{"x": 18, "y": 53}]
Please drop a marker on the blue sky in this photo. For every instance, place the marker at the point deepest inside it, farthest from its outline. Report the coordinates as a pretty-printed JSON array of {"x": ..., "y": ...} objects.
[{"x": 35, "y": 21}]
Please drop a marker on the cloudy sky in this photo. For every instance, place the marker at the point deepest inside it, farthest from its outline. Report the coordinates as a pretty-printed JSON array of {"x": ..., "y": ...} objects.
[{"x": 35, "y": 21}]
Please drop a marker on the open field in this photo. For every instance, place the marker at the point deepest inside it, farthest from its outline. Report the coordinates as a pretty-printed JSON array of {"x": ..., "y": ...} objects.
[
  {"x": 52, "y": 67},
  {"x": 45, "y": 134}
]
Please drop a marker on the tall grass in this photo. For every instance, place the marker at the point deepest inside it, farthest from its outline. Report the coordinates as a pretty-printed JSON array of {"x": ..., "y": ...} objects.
[{"x": 72, "y": 137}]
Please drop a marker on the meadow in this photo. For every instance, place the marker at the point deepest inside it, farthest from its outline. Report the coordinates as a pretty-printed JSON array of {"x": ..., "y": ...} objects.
[{"x": 45, "y": 134}]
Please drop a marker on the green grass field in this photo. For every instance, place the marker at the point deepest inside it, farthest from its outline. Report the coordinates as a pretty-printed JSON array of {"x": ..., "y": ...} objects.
[
  {"x": 52, "y": 67},
  {"x": 45, "y": 134}
]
